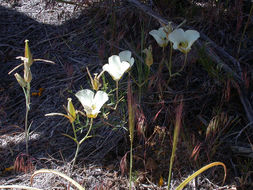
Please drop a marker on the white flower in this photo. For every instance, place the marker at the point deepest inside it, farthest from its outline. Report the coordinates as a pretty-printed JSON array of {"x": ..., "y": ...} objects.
[
  {"x": 183, "y": 40},
  {"x": 126, "y": 56},
  {"x": 115, "y": 67},
  {"x": 92, "y": 104},
  {"x": 161, "y": 36}
]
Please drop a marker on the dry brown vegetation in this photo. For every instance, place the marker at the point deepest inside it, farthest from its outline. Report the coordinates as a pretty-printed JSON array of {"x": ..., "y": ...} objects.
[{"x": 216, "y": 89}]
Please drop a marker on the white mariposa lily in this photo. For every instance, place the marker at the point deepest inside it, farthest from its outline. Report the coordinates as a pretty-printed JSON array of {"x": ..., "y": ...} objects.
[
  {"x": 161, "y": 36},
  {"x": 116, "y": 68},
  {"x": 183, "y": 40},
  {"x": 126, "y": 56},
  {"x": 92, "y": 103}
]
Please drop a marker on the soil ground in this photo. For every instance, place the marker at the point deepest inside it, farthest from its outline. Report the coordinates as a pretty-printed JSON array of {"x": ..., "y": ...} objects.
[{"x": 76, "y": 37}]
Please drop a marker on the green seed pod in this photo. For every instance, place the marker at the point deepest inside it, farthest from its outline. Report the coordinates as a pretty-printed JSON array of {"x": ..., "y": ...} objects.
[
  {"x": 20, "y": 80},
  {"x": 28, "y": 54},
  {"x": 149, "y": 56},
  {"x": 71, "y": 111}
]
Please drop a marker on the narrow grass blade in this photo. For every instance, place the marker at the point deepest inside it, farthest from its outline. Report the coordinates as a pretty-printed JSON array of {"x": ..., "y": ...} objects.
[
  {"x": 130, "y": 103},
  {"x": 185, "y": 182},
  {"x": 175, "y": 138},
  {"x": 77, "y": 185},
  {"x": 130, "y": 112}
]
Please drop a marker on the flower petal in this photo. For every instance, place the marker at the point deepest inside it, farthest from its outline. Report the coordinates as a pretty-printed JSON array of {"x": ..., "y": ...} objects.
[
  {"x": 161, "y": 31},
  {"x": 126, "y": 56},
  {"x": 159, "y": 36},
  {"x": 114, "y": 61},
  {"x": 85, "y": 97},
  {"x": 100, "y": 99},
  {"x": 116, "y": 68},
  {"x": 176, "y": 37},
  {"x": 191, "y": 36},
  {"x": 131, "y": 62},
  {"x": 186, "y": 39},
  {"x": 114, "y": 72},
  {"x": 124, "y": 66}
]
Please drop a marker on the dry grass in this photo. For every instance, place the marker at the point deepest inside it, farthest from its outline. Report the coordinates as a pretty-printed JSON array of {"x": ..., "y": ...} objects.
[{"x": 212, "y": 116}]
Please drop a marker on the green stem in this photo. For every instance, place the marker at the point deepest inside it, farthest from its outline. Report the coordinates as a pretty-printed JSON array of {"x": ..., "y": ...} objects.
[
  {"x": 175, "y": 140},
  {"x": 117, "y": 91},
  {"x": 74, "y": 130},
  {"x": 77, "y": 150},
  {"x": 181, "y": 69},
  {"x": 244, "y": 30},
  {"x": 147, "y": 75},
  {"x": 185, "y": 60},
  {"x": 80, "y": 142},
  {"x": 77, "y": 144},
  {"x": 139, "y": 93},
  {"x": 138, "y": 84},
  {"x": 170, "y": 64},
  {"x": 170, "y": 59},
  {"x": 27, "y": 99},
  {"x": 88, "y": 132},
  {"x": 162, "y": 62},
  {"x": 170, "y": 171},
  {"x": 131, "y": 165},
  {"x": 117, "y": 94}
]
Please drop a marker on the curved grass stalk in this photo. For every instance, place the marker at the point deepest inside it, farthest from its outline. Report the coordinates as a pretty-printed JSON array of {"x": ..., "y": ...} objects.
[
  {"x": 73, "y": 182},
  {"x": 18, "y": 187},
  {"x": 185, "y": 182},
  {"x": 131, "y": 129},
  {"x": 175, "y": 139}
]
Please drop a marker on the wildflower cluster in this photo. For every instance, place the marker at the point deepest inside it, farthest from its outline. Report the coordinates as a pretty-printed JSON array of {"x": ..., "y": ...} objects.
[
  {"x": 93, "y": 100},
  {"x": 182, "y": 40},
  {"x": 179, "y": 40}
]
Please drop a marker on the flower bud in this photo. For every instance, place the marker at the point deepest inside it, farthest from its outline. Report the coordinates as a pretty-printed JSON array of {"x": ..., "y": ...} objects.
[
  {"x": 20, "y": 80},
  {"x": 71, "y": 111},
  {"x": 168, "y": 29},
  {"x": 95, "y": 83},
  {"x": 27, "y": 73},
  {"x": 28, "y": 54},
  {"x": 149, "y": 56}
]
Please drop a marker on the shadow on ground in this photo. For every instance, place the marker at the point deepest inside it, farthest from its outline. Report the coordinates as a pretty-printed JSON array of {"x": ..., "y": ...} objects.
[{"x": 72, "y": 46}]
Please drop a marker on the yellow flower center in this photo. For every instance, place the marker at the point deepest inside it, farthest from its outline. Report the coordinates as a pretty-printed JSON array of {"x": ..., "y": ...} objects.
[
  {"x": 92, "y": 115},
  {"x": 182, "y": 46}
]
